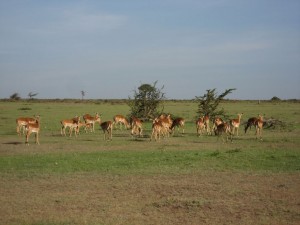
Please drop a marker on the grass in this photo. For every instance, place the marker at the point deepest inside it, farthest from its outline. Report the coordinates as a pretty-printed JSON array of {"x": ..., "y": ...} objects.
[
  {"x": 182, "y": 179},
  {"x": 150, "y": 162}
]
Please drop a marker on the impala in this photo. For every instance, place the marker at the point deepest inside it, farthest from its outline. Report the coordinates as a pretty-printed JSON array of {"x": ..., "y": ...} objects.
[
  {"x": 217, "y": 122},
  {"x": 235, "y": 124},
  {"x": 88, "y": 119},
  {"x": 157, "y": 129},
  {"x": 224, "y": 129},
  {"x": 120, "y": 119},
  {"x": 259, "y": 123},
  {"x": 251, "y": 122},
  {"x": 200, "y": 125},
  {"x": 166, "y": 122},
  {"x": 85, "y": 126},
  {"x": 206, "y": 124},
  {"x": 22, "y": 122},
  {"x": 136, "y": 126},
  {"x": 73, "y": 124},
  {"x": 33, "y": 128},
  {"x": 178, "y": 122},
  {"x": 107, "y": 127}
]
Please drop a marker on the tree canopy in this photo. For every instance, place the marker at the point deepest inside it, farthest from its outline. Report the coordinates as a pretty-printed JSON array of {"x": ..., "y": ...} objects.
[
  {"x": 146, "y": 101},
  {"x": 209, "y": 103}
]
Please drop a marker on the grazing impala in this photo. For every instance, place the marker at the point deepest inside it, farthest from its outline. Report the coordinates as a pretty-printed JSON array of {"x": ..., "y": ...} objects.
[
  {"x": 33, "y": 128},
  {"x": 22, "y": 122},
  {"x": 235, "y": 124},
  {"x": 200, "y": 126},
  {"x": 73, "y": 124},
  {"x": 136, "y": 126},
  {"x": 85, "y": 127},
  {"x": 107, "y": 129},
  {"x": 178, "y": 122},
  {"x": 224, "y": 129},
  {"x": 88, "y": 119},
  {"x": 251, "y": 122},
  {"x": 120, "y": 119},
  {"x": 259, "y": 123}
]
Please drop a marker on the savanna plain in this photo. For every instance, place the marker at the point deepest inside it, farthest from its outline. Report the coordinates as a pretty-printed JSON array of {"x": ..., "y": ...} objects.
[{"x": 183, "y": 179}]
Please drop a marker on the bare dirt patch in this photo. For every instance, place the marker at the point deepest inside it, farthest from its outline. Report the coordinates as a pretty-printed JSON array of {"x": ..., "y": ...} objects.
[{"x": 202, "y": 198}]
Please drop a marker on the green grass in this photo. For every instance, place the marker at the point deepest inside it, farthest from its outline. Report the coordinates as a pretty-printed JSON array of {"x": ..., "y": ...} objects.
[{"x": 151, "y": 162}]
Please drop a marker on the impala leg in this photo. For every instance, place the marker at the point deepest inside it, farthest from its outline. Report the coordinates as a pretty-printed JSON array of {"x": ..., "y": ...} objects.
[
  {"x": 23, "y": 128},
  {"x": 37, "y": 139},
  {"x": 27, "y": 138},
  {"x": 18, "y": 130},
  {"x": 64, "y": 130}
]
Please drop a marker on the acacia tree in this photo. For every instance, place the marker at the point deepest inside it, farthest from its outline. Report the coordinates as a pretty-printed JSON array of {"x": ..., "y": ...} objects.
[
  {"x": 146, "y": 101},
  {"x": 15, "y": 96},
  {"x": 82, "y": 94},
  {"x": 209, "y": 103},
  {"x": 31, "y": 95}
]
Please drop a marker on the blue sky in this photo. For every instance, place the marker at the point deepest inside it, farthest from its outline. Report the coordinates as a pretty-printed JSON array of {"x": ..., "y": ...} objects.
[{"x": 109, "y": 48}]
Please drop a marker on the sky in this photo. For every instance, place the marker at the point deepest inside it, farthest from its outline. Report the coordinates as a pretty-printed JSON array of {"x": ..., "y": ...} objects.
[{"x": 108, "y": 49}]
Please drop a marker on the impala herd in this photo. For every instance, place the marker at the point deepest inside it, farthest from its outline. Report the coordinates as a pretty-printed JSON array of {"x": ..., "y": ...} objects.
[{"x": 162, "y": 126}]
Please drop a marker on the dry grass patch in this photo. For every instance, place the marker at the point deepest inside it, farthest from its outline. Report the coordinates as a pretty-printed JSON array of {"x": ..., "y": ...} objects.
[{"x": 206, "y": 198}]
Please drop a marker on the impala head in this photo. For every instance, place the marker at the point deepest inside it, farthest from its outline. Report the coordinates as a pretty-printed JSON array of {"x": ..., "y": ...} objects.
[
  {"x": 37, "y": 118},
  {"x": 76, "y": 119},
  {"x": 155, "y": 120},
  {"x": 201, "y": 118},
  {"x": 206, "y": 116},
  {"x": 97, "y": 117}
]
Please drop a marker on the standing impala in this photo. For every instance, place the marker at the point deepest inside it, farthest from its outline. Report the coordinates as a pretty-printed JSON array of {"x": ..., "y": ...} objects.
[
  {"x": 88, "y": 119},
  {"x": 235, "y": 124},
  {"x": 23, "y": 121},
  {"x": 259, "y": 123},
  {"x": 157, "y": 129},
  {"x": 73, "y": 124},
  {"x": 206, "y": 124},
  {"x": 166, "y": 122},
  {"x": 200, "y": 126},
  {"x": 107, "y": 128},
  {"x": 217, "y": 122},
  {"x": 33, "y": 128}
]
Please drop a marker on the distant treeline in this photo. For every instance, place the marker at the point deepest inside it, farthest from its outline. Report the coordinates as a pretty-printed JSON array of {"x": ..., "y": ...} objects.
[{"x": 125, "y": 101}]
